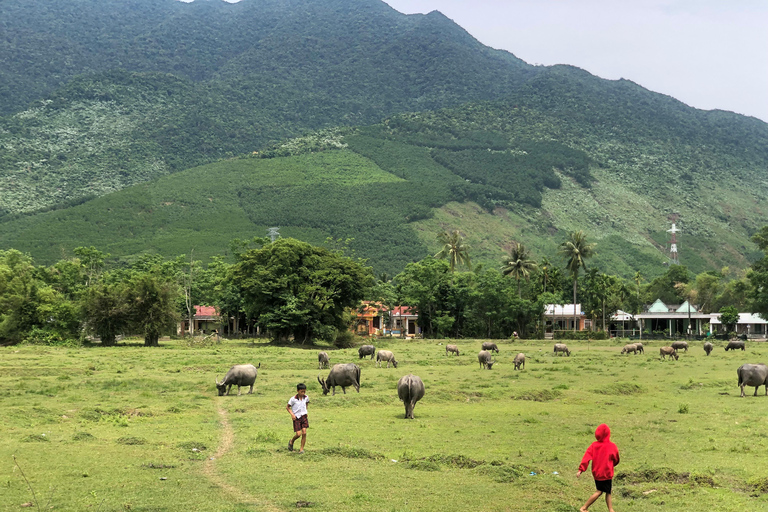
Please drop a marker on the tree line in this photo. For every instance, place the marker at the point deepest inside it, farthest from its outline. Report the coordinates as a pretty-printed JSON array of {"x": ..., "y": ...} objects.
[{"x": 292, "y": 290}]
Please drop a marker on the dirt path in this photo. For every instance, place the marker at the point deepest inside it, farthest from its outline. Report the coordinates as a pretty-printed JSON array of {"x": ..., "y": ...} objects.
[{"x": 210, "y": 472}]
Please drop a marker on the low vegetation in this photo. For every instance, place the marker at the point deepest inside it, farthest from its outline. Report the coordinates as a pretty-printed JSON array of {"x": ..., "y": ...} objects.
[{"x": 134, "y": 429}]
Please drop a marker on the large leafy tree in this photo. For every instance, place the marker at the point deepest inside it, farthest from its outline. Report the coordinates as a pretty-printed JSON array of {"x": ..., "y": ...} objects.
[
  {"x": 152, "y": 305},
  {"x": 519, "y": 264},
  {"x": 426, "y": 286},
  {"x": 296, "y": 289},
  {"x": 105, "y": 310},
  {"x": 576, "y": 250},
  {"x": 454, "y": 249}
]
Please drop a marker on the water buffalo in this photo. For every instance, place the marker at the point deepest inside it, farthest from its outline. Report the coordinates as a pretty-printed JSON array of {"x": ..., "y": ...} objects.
[
  {"x": 708, "y": 347},
  {"x": 239, "y": 375},
  {"x": 678, "y": 345},
  {"x": 735, "y": 344},
  {"x": 410, "y": 389},
  {"x": 640, "y": 348},
  {"x": 519, "y": 361},
  {"x": 386, "y": 355},
  {"x": 561, "y": 347},
  {"x": 366, "y": 350},
  {"x": 668, "y": 351},
  {"x": 484, "y": 357},
  {"x": 341, "y": 375},
  {"x": 630, "y": 347},
  {"x": 753, "y": 375},
  {"x": 323, "y": 361},
  {"x": 490, "y": 347},
  {"x": 452, "y": 348}
]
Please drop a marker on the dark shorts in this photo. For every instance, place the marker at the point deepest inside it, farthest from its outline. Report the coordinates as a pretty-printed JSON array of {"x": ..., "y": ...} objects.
[
  {"x": 300, "y": 423},
  {"x": 604, "y": 486}
]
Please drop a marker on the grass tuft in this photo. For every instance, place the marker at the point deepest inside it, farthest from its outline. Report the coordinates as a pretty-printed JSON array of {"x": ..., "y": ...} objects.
[
  {"x": 540, "y": 395},
  {"x": 83, "y": 436},
  {"x": 653, "y": 475},
  {"x": 35, "y": 438},
  {"x": 621, "y": 388},
  {"x": 351, "y": 453},
  {"x": 129, "y": 440}
]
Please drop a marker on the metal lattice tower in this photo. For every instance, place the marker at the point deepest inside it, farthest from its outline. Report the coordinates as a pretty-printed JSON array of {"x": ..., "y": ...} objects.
[
  {"x": 273, "y": 234},
  {"x": 674, "y": 259}
]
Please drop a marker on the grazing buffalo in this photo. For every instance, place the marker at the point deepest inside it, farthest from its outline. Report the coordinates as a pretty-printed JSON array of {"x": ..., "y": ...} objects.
[
  {"x": 239, "y": 375},
  {"x": 366, "y": 350},
  {"x": 452, "y": 348},
  {"x": 323, "y": 361},
  {"x": 631, "y": 347},
  {"x": 341, "y": 375},
  {"x": 490, "y": 347},
  {"x": 386, "y": 355},
  {"x": 708, "y": 347},
  {"x": 410, "y": 389},
  {"x": 680, "y": 345},
  {"x": 639, "y": 347},
  {"x": 519, "y": 361},
  {"x": 735, "y": 345},
  {"x": 753, "y": 375},
  {"x": 562, "y": 347},
  {"x": 484, "y": 357},
  {"x": 668, "y": 351}
]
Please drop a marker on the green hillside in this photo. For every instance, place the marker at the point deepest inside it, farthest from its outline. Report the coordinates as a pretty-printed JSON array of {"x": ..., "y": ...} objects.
[
  {"x": 531, "y": 173},
  {"x": 225, "y": 119},
  {"x": 131, "y": 90}
]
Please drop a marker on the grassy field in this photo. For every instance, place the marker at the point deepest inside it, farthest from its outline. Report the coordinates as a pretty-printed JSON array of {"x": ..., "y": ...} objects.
[{"x": 141, "y": 429}]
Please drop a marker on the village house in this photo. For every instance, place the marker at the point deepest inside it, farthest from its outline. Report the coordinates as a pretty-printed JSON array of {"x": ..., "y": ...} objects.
[
  {"x": 559, "y": 317},
  {"x": 205, "y": 320},
  {"x": 374, "y": 319}
]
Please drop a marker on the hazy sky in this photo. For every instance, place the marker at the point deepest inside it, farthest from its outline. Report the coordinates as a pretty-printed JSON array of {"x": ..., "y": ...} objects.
[{"x": 709, "y": 54}]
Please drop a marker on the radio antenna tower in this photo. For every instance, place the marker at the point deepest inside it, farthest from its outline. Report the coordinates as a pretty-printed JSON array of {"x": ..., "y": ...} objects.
[
  {"x": 674, "y": 259},
  {"x": 273, "y": 234}
]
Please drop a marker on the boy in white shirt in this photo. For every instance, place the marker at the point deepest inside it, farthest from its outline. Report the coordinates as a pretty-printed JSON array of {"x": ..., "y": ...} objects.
[{"x": 297, "y": 407}]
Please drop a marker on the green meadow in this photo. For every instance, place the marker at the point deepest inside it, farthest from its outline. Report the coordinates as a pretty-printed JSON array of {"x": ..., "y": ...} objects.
[{"x": 142, "y": 429}]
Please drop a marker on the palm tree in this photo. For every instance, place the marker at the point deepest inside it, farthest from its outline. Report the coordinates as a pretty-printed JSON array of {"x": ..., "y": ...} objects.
[
  {"x": 519, "y": 264},
  {"x": 454, "y": 249},
  {"x": 576, "y": 251}
]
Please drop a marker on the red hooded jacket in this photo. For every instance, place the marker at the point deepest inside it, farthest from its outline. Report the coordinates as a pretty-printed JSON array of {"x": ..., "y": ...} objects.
[{"x": 603, "y": 454}]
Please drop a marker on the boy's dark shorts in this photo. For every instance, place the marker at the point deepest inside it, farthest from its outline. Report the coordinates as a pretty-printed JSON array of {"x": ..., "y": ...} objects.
[
  {"x": 604, "y": 486},
  {"x": 300, "y": 423}
]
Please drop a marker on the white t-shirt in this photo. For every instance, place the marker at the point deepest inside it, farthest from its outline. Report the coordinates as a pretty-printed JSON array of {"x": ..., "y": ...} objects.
[{"x": 298, "y": 406}]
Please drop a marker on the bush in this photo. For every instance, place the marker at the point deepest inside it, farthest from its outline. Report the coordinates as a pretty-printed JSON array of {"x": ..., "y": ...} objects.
[
  {"x": 38, "y": 336},
  {"x": 344, "y": 339},
  {"x": 580, "y": 335}
]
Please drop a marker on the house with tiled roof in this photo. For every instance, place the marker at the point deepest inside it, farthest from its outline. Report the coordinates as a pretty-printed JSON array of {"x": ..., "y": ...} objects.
[
  {"x": 374, "y": 319},
  {"x": 206, "y": 320}
]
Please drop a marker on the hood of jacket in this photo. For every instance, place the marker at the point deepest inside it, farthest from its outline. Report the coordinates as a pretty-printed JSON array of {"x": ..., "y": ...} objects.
[{"x": 603, "y": 433}]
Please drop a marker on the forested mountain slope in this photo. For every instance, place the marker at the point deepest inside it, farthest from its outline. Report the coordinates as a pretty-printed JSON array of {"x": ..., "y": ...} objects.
[
  {"x": 521, "y": 170},
  {"x": 99, "y": 96}
]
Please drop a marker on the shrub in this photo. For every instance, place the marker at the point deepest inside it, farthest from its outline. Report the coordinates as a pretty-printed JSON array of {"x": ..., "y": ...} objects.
[
  {"x": 344, "y": 339},
  {"x": 580, "y": 335}
]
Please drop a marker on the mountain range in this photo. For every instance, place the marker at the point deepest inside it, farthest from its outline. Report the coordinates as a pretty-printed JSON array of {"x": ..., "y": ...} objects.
[{"x": 156, "y": 125}]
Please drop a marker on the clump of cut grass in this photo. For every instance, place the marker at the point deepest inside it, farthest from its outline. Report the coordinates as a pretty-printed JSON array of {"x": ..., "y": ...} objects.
[
  {"x": 682, "y": 408},
  {"x": 351, "y": 453},
  {"x": 35, "y": 438},
  {"x": 129, "y": 440},
  {"x": 456, "y": 461},
  {"x": 758, "y": 485},
  {"x": 653, "y": 475},
  {"x": 83, "y": 436},
  {"x": 621, "y": 388},
  {"x": 423, "y": 465},
  {"x": 540, "y": 395},
  {"x": 503, "y": 473},
  {"x": 191, "y": 445}
]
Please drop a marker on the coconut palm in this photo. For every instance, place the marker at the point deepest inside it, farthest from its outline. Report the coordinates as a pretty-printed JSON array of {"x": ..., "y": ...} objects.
[
  {"x": 454, "y": 249},
  {"x": 519, "y": 264},
  {"x": 576, "y": 250}
]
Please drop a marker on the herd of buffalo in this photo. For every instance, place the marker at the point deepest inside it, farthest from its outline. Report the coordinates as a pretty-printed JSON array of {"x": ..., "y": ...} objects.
[{"x": 410, "y": 388}]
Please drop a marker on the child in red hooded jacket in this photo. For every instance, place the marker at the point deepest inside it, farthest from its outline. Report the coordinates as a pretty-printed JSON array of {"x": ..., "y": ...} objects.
[{"x": 604, "y": 456}]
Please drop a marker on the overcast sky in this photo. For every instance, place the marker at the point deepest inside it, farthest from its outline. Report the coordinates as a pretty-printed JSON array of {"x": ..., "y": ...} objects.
[{"x": 709, "y": 54}]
